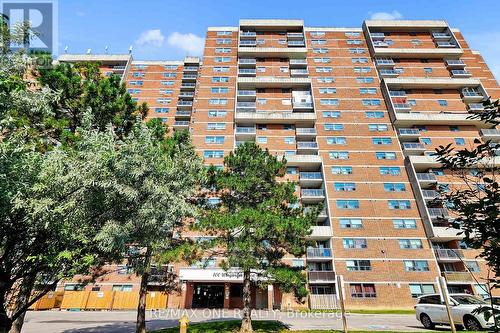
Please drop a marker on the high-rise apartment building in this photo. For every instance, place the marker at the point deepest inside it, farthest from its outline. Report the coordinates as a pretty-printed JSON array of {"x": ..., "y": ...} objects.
[{"x": 356, "y": 112}]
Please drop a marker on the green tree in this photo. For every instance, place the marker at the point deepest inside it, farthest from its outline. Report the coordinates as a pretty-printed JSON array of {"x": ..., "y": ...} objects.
[
  {"x": 476, "y": 204},
  {"x": 257, "y": 222}
]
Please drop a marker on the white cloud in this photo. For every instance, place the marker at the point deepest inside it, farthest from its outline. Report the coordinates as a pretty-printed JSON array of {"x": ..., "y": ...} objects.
[
  {"x": 394, "y": 15},
  {"x": 152, "y": 37},
  {"x": 485, "y": 43},
  {"x": 190, "y": 43}
]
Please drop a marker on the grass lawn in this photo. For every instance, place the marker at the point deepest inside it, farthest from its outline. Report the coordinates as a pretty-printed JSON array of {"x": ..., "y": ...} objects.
[{"x": 232, "y": 326}]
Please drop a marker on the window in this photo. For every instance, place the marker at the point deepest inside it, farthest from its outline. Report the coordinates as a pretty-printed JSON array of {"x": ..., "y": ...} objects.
[
  {"x": 367, "y": 91},
  {"x": 354, "y": 42},
  {"x": 363, "y": 290},
  {"x": 417, "y": 290},
  {"x": 354, "y": 243},
  {"x": 454, "y": 129},
  {"x": 223, "y": 41},
  {"x": 327, "y": 90},
  {"x": 329, "y": 101},
  {"x": 136, "y": 83},
  {"x": 336, "y": 140},
  {"x": 262, "y": 139},
  {"x": 221, "y": 69},
  {"x": 427, "y": 70},
  {"x": 295, "y": 263},
  {"x": 217, "y": 79},
  {"x": 317, "y": 33},
  {"x": 348, "y": 187},
  {"x": 357, "y": 50},
  {"x": 377, "y": 127},
  {"x": 222, "y": 59},
  {"x": 134, "y": 91},
  {"x": 359, "y": 60},
  {"x": 347, "y": 204},
  {"x": 161, "y": 110},
  {"x": 385, "y": 155},
  {"x": 290, "y": 140},
  {"x": 331, "y": 114},
  {"x": 381, "y": 141},
  {"x": 163, "y": 100},
  {"x": 333, "y": 127},
  {"x": 166, "y": 91},
  {"x": 320, "y": 50},
  {"x": 292, "y": 170},
  {"x": 371, "y": 102},
  {"x": 459, "y": 141},
  {"x": 73, "y": 287},
  {"x": 442, "y": 102},
  {"x": 416, "y": 42},
  {"x": 404, "y": 224},
  {"x": 351, "y": 223},
  {"x": 326, "y": 79},
  {"x": 318, "y": 41},
  {"x": 362, "y": 69},
  {"x": 338, "y": 155},
  {"x": 219, "y": 90},
  {"x": 412, "y": 102},
  {"x": 213, "y": 154},
  {"x": 214, "y": 140},
  {"x": 322, "y": 60},
  {"x": 416, "y": 265},
  {"x": 352, "y": 34},
  {"x": 216, "y": 113},
  {"x": 137, "y": 74},
  {"x": 358, "y": 265},
  {"x": 322, "y": 290},
  {"x": 217, "y": 101},
  {"x": 394, "y": 187},
  {"x": 222, "y": 50},
  {"x": 341, "y": 170},
  {"x": 437, "y": 172},
  {"x": 324, "y": 69},
  {"x": 390, "y": 171},
  {"x": 473, "y": 266},
  {"x": 224, "y": 33},
  {"x": 169, "y": 74},
  {"x": 167, "y": 83},
  {"x": 364, "y": 79},
  {"x": 399, "y": 204},
  {"x": 216, "y": 126},
  {"x": 284, "y": 69},
  {"x": 410, "y": 244},
  {"x": 426, "y": 141},
  {"x": 122, "y": 287}
]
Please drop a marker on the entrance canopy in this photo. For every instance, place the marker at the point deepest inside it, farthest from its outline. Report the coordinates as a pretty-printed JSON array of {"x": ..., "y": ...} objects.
[{"x": 215, "y": 275}]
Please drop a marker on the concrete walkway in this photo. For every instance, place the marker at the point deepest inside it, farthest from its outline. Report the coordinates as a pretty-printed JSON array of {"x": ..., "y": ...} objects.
[{"x": 124, "y": 321}]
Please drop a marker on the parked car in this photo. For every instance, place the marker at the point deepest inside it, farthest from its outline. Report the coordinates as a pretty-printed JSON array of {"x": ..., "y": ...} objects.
[
  {"x": 431, "y": 311},
  {"x": 495, "y": 300}
]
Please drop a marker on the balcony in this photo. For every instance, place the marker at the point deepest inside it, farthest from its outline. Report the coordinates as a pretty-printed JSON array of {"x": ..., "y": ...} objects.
[
  {"x": 303, "y": 161},
  {"x": 299, "y": 72},
  {"x": 275, "y": 117},
  {"x": 307, "y": 146},
  {"x": 321, "y": 232},
  {"x": 273, "y": 52},
  {"x": 388, "y": 73},
  {"x": 302, "y": 105},
  {"x": 244, "y": 132},
  {"x": 308, "y": 132},
  {"x": 246, "y": 106},
  {"x": 298, "y": 62},
  {"x": 458, "y": 277},
  {"x": 471, "y": 96},
  {"x": 323, "y": 302},
  {"x": 184, "y": 103},
  {"x": 408, "y": 133},
  {"x": 377, "y": 35},
  {"x": 295, "y": 35},
  {"x": 319, "y": 253},
  {"x": 460, "y": 73},
  {"x": 475, "y": 107},
  {"x": 424, "y": 162},
  {"x": 183, "y": 114},
  {"x": 430, "y": 195},
  {"x": 413, "y": 148},
  {"x": 384, "y": 62},
  {"x": 380, "y": 43},
  {"x": 186, "y": 94},
  {"x": 189, "y": 77},
  {"x": 191, "y": 69},
  {"x": 426, "y": 178},
  {"x": 430, "y": 83},
  {"x": 181, "y": 124},
  {"x": 247, "y": 71},
  {"x": 491, "y": 134},
  {"x": 455, "y": 63},
  {"x": 441, "y": 35},
  {"x": 248, "y": 34},
  {"x": 247, "y": 95},
  {"x": 274, "y": 82},
  {"x": 310, "y": 179},
  {"x": 321, "y": 276},
  {"x": 247, "y": 61},
  {"x": 445, "y": 44},
  {"x": 445, "y": 233},
  {"x": 248, "y": 43},
  {"x": 449, "y": 254},
  {"x": 397, "y": 93},
  {"x": 312, "y": 195},
  {"x": 188, "y": 86},
  {"x": 438, "y": 213},
  {"x": 401, "y": 107},
  {"x": 296, "y": 43},
  {"x": 383, "y": 51}
]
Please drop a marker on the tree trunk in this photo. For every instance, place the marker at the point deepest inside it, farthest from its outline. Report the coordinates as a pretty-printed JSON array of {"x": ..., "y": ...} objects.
[
  {"x": 5, "y": 290},
  {"x": 22, "y": 299},
  {"x": 246, "y": 322},
  {"x": 143, "y": 291}
]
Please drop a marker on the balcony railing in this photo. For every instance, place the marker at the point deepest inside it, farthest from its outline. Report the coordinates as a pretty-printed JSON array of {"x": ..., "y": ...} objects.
[
  {"x": 389, "y": 72},
  {"x": 190, "y": 69},
  {"x": 302, "y": 105},
  {"x": 475, "y": 107},
  {"x": 445, "y": 44},
  {"x": 455, "y": 63},
  {"x": 307, "y": 145},
  {"x": 189, "y": 76},
  {"x": 186, "y": 94},
  {"x": 185, "y": 103},
  {"x": 323, "y": 302},
  {"x": 244, "y": 105},
  {"x": 426, "y": 176},
  {"x": 430, "y": 194},
  {"x": 384, "y": 62},
  {"x": 460, "y": 73},
  {"x": 319, "y": 252},
  {"x": 247, "y": 61},
  {"x": 489, "y": 131},
  {"x": 397, "y": 93},
  {"x": 311, "y": 175},
  {"x": 247, "y": 93},
  {"x": 438, "y": 212},
  {"x": 440, "y": 35},
  {"x": 312, "y": 192},
  {"x": 245, "y": 130},
  {"x": 297, "y": 72},
  {"x": 247, "y": 71},
  {"x": 377, "y": 35},
  {"x": 119, "y": 67},
  {"x": 248, "y": 33},
  {"x": 402, "y": 106},
  {"x": 305, "y": 131},
  {"x": 315, "y": 276},
  {"x": 409, "y": 131},
  {"x": 248, "y": 43},
  {"x": 458, "y": 277},
  {"x": 298, "y": 62},
  {"x": 380, "y": 44},
  {"x": 188, "y": 85},
  {"x": 449, "y": 254},
  {"x": 295, "y": 35},
  {"x": 183, "y": 113},
  {"x": 413, "y": 146},
  {"x": 296, "y": 43}
]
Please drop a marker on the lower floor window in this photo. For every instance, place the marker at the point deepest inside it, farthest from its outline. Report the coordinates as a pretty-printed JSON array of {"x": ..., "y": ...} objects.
[
  {"x": 363, "y": 290},
  {"x": 417, "y": 290},
  {"x": 322, "y": 290},
  {"x": 122, "y": 287}
]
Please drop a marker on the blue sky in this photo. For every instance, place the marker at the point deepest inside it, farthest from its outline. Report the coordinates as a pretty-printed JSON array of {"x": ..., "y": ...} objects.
[{"x": 171, "y": 29}]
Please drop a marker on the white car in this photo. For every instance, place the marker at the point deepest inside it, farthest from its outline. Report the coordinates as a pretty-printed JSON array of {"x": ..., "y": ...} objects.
[{"x": 431, "y": 311}]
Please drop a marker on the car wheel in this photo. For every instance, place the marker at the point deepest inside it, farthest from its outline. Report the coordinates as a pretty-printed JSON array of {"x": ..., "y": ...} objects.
[
  {"x": 426, "y": 321},
  {"x": 471, "y": 324}
]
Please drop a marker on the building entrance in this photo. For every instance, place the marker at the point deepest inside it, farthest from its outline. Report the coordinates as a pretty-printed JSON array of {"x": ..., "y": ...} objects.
[{"x": 208, "y": 296}]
